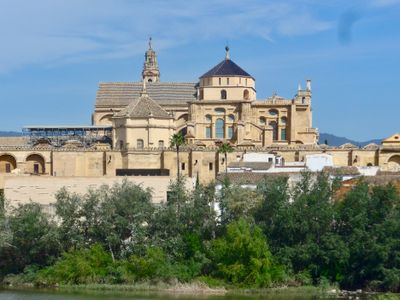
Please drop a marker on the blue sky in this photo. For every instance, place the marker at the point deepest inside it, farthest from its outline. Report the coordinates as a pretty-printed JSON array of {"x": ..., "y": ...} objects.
[{"x": 54, "y": 53}]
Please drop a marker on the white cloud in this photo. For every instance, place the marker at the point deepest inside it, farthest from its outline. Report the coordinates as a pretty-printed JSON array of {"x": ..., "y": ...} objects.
[{"x": 56, "y": 31}]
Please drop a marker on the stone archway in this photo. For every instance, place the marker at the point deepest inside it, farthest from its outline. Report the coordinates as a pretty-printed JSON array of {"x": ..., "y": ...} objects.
[
  {"x": 106, "y": 120},
  {"x": 394, "y": 163},
  {"x": 35, "y": 164},
  {"x": 7, "y": 163}
]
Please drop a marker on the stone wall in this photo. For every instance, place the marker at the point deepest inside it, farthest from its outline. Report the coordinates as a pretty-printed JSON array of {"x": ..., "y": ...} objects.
[{"x": 42, "y": 189}]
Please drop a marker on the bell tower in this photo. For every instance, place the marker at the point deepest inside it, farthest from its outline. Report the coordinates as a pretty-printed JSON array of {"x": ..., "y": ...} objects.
[{"x": 151, "y": 72}]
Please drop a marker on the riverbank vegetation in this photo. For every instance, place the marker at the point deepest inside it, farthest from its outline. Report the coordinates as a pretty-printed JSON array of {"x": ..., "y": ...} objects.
[{"x": 273, "y": 236}]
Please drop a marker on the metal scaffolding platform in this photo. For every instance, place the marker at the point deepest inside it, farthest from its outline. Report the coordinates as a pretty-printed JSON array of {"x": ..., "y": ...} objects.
[{"x": 58, "y": 136}]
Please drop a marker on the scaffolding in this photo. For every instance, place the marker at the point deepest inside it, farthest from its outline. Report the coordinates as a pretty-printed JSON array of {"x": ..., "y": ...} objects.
[{"x": 58, "y": 136}]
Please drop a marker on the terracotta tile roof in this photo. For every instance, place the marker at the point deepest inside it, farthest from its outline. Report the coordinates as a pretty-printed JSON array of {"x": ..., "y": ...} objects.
[
  {"x": 341, "y": 171},
  {"x": 143, "y": 107},
  {"x": 119, "y": 94},
  {"x": 375, "y": 180},
  {"x": 248, "y": 177}
]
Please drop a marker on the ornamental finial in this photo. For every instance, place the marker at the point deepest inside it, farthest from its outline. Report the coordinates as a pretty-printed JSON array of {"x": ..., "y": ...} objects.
[{"x": 227, "y": 52}]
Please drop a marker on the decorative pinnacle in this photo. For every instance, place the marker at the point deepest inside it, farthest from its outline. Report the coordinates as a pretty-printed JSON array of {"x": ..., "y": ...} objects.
[
  {"x": 143, "y": 91},
  {"x": 227, "y": 52},
  {"x": 150, "y": 43}
]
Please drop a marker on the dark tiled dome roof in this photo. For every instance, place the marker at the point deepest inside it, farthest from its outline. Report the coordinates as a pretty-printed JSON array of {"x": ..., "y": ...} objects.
[{"x": 226, "y": 68}]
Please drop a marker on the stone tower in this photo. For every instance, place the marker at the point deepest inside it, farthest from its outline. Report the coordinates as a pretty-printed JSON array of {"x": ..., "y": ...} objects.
[{"x": 151, "y": 72}]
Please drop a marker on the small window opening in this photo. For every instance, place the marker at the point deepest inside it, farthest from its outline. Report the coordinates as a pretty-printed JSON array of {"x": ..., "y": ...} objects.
[
  {"x": 35, "y": 168},
  {"x": 223, "y": 94}
]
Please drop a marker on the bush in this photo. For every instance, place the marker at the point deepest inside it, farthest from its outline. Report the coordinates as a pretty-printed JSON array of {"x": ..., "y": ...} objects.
[{"x": 82, "y": 266}]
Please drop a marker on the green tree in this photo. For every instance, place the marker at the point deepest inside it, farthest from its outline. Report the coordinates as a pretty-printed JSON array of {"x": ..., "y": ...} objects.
[
  {"x": 242, "y": 257},
  {"x": 5, "y": 232},
  {"x": 117, "y": 217},
  {"x": 299, "y": 223},
  {"x": 369, "y": 223},
  {"x": 33, "y": 241},
  {"x": 272, "y": 213},
  {"x": 225, "y": 148},
  {"x": 237, "y": 202},
  {"x": 177, "y": 140}
]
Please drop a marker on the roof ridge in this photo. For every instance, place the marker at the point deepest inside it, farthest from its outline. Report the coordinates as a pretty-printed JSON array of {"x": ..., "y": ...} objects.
[{"x": 219, "y": 66}]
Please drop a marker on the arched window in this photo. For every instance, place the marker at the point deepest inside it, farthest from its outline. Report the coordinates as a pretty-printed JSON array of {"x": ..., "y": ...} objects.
[
  {"x": 219, "y": 110},
  {"x": 273, "y": 112},
  {"x": 262, "y": 121},
  {"x": 7, "y": 163},
  {"x": 220, "y": 129},
  {"x": 139, "y": 144},
  {"x": 230, "y": 132},
  {"x": 208, "y": 118},
  {"x": 246, "y": 95},
  {"x": 150, "y": 80},
  {"x": 283, "y": 134},
  {"x": 223, "y": 94},
  {"x": 161, "y": 144},
  {"x": 231, "y": 118},
  {"x": 35, "y": 164},
  {"x": 274, "y": 130},
  {"x": 208, "y": 132}
]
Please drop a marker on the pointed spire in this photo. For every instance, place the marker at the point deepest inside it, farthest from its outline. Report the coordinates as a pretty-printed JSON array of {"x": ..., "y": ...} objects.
[
  {"x": 227, "y": 57},
  {"x": 151, "y": 72}
]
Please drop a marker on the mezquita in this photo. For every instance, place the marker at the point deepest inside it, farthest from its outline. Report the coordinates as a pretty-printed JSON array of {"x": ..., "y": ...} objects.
[{"x": 132, "y": 124}]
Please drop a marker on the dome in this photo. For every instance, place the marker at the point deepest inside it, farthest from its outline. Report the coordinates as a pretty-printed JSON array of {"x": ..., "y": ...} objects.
[{"x": 226, "y": 68}]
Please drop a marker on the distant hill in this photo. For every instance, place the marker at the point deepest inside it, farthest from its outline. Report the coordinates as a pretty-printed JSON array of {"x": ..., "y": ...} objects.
[
  {"x": 10, "y": 133},
  {"x": 333, "y": 140}
]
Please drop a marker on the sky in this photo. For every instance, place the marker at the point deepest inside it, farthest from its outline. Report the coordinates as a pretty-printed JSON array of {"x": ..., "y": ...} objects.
[{"x": 54, "y": 53}]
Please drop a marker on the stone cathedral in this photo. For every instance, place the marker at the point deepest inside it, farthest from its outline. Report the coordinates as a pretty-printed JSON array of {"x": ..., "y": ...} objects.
[{"x": 222, "y": 106}]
